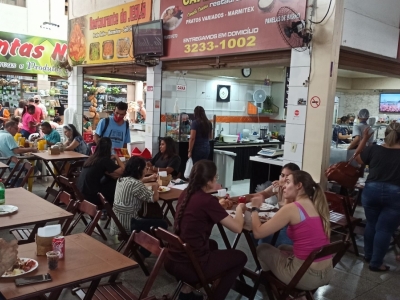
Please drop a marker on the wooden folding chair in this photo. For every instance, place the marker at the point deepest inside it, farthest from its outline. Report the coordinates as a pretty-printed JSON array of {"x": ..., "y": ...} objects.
[
  {"x": 12, "y": 159},
  {"x": 115, "y": 290},
  {"x": 86, "y": 208},
  {"x": 74, "y": 170},
  {"x": 28, "y": 169},
  {"x": 22, "y": 234},
  {"x": 123, "y": 235},
  {"x": 172, "y": 239},
  {"x": 282, "y": 291},
  {"x": 12, "y": 178},
  {"x": 342, "y": 223}
]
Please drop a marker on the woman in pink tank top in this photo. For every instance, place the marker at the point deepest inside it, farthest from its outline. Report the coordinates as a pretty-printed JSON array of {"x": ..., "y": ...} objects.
[{"x": 307, "y": 215}]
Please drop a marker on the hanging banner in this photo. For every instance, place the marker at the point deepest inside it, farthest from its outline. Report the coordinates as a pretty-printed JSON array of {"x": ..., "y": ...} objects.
[
  {"x": 30, "y": 54},
  {"x": 220, "y": 27},
  {"x": 106, "y": 36}
]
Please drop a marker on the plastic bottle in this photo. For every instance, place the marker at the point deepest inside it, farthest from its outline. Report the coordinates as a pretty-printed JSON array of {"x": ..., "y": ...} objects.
[{"x": 2, "y": 193}]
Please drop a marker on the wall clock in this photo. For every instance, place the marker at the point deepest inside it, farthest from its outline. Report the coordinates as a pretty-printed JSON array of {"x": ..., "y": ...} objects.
[
  {"x": 223, "y": 93},
  {"x": 246, "y": 72}
]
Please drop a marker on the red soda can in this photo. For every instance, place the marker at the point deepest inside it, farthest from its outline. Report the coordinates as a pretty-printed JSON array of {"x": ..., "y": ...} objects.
[
  {"x": 59, "y": 245},
  {"x": 242, "y": 199}
]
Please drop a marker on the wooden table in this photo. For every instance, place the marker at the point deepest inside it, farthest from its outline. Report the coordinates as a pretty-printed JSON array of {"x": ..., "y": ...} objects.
[
  {"x": 3, "y": 166},
  {"x": 31, "y": 210},
  {"x": 86, "y": 259},
  {"x": 63, "y": 157}
]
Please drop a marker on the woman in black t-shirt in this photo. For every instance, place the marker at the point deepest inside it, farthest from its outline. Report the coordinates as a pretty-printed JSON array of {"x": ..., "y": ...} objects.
[
  {"x": 380, "y": 197},
  {"x": 167, "y": 159},
  {"x": 200, "y": 134},
  {"x": 100, "y": 172}
]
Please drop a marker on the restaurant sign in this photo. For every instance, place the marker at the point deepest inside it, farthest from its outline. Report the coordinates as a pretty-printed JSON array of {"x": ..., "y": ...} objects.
[
  {"x": 217, "y": 27},
  {"x": 106, "y": 36},
  {"x": 29, "y": 54}
]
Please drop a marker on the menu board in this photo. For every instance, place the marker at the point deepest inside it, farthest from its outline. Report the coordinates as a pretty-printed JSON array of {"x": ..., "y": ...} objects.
[
  {"x": 106, "y": 36},
  {"x": 30, "y": 54},
  {"x": 218, "y": 27}
]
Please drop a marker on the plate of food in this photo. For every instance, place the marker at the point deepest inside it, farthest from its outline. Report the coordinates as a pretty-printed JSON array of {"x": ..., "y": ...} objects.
[
  {"x": 123, "y": 48},
  {"x": 22, "y": 266},
  {"x": 163, "y": 189},
  {"x": 264, "y": 206},
  {"x": 7, "y": 209}
]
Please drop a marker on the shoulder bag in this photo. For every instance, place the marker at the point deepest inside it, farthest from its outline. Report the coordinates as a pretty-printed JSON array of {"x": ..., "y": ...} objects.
[{"x": 344, "y": 173}]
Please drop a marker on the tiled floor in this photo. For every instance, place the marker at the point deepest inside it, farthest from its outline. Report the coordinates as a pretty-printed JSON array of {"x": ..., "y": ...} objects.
[{"x": 352, "y": 279}]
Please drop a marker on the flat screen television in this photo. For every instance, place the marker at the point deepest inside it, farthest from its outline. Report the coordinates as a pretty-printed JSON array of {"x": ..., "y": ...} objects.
[
  {"x": 389, "y": 103},
  {"x": 148, "y": 39}
]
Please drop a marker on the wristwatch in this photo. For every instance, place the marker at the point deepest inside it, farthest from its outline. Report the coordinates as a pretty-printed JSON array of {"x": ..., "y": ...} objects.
[{"x": 253, "y": 209}]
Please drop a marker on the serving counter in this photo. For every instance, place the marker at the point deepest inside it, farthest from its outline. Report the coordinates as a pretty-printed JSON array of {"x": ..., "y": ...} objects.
[
  {"x": 243, "y": 152},
  {"x": 263, "y": 169}
]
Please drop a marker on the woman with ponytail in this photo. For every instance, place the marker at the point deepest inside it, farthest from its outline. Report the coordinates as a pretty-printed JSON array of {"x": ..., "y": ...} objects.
[
  {"x": 307, "y": 215},
  {"x": 197, "y": 213},
  {"x": 380, "y": 197}
]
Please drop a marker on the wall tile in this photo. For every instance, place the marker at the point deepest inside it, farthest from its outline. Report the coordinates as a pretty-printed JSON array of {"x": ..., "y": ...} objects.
[{"x": 293, "y": 154}]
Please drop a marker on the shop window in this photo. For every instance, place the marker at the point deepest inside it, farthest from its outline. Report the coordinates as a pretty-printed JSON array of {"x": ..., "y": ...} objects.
[{"x": 21, "y": 3}]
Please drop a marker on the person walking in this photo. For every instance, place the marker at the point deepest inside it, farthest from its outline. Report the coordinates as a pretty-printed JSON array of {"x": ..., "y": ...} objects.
[{"x": 200, "y": 134}]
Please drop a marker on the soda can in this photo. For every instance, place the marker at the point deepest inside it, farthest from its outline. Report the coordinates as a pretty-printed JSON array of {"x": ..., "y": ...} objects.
[
  {"x": 59, "y": 245},
  {"x": 242, "y": 199}
]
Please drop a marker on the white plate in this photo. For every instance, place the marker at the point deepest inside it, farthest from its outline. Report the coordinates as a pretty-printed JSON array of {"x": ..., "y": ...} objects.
[
  {"x": 7, "y": 209},
  {"x": 22, "y": 272},
  {"x": 264, "y": 206},
  {"x": 268, "y": 214},
  {"x": 164, "y": 189}
]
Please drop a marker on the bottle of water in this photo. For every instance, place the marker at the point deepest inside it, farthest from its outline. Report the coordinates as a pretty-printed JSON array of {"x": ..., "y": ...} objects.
[{"x": 2, "y": 193}]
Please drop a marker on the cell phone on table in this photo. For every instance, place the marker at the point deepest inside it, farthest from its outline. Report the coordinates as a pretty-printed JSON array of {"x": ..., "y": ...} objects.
[{"x": 32, "y": 279}]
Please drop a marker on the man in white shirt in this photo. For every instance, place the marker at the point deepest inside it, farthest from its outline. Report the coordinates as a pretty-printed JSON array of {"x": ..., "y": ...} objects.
[{"x": 38, "y": 103}]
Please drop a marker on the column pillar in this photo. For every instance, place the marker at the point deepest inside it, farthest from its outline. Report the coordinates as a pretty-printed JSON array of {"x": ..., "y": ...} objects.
[
  {"x": 75, "y": 94},
  {"x": 322, "y": 88},
  {"x": 153, "y": 104}
]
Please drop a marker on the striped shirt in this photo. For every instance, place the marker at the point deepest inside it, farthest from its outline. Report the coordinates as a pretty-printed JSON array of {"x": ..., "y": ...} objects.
[{"x": 130, "y": 193}]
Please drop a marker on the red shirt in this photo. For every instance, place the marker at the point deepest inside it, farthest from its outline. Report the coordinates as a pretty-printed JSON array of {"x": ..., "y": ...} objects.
[{"x": 202, "y": 212}]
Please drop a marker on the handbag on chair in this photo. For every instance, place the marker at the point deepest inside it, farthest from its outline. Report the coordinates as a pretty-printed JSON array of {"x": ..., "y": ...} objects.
[
  {"x": 344, "y": 173},
  {"x": 150, "y": 210}
]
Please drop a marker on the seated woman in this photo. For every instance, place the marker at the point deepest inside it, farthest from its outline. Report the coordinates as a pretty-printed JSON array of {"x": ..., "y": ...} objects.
[
  {"x": 166, "y": 159},
  {"x": 74, "y": 141},
  {"x": 99, "y": 173},
  {"x": 130, "y": 194},
  {"x": 29, "y": 124},
  {"x": 276, "y": 189},
  {"x": 309, "y": 229},
  {"x": 197, "y": 213}
]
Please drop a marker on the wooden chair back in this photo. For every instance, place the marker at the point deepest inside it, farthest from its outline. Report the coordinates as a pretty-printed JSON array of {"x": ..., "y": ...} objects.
[
  {"x": 123, "y": 235},
  {"x": 153, "y": 245},
  {"x": 75, "y": 170},
  {"x": 174, "y": 242},
  {"x": 28, "y": 169},
  {"x": 85, "y": 207},
  {"x": 8, "y": 162},
  {"x": 71, "y": 207},
  {"x": 70, "y": 187},
  {"x": 282, "y": 290},
  {"x": 13, "y": 171},
  {"x": 339, "y": 204}
]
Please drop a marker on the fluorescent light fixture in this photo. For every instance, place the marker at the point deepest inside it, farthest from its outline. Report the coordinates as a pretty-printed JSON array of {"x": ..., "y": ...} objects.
[{"x": 228, "y": 77}]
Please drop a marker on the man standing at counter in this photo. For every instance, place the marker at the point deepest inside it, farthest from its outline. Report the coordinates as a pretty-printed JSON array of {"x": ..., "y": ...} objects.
[
  {"x": 115, "y": 127},
  {"x": 358, "y": 130}
]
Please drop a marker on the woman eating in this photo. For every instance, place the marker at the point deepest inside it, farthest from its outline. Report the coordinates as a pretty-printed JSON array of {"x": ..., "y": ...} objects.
[
  {"x": 130, "y": 194},
  {"x": 29, "y": 124},
  {"x": 99, "y": 173},
  {"x": 167, "y": 159},
  {"x": 87, "y": 126},
  {"x": 307, "y": 214},
  {"x": 74, "y": 141},
  {"x": 380, "y": 197},
  {"x": 276, "y": 189},
  {"x": 197, "y": 213},
  {"x": 200, "y": 134}
]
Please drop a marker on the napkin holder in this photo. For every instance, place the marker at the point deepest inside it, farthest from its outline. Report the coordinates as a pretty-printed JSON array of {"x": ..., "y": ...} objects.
[
  {"x": 54, "y": 151},
  {"x": 164, "y": 180},
  {"x": 44, "y": 244}
]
